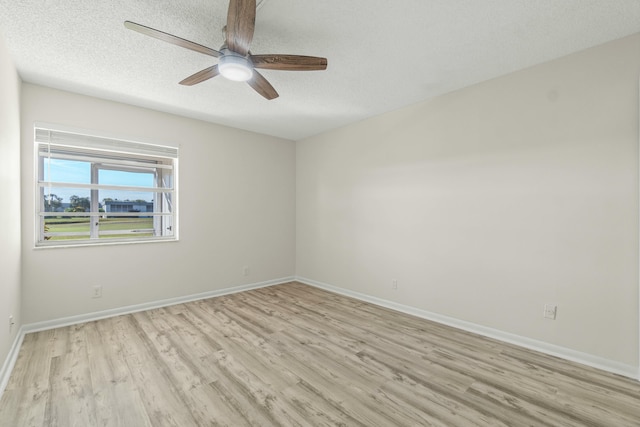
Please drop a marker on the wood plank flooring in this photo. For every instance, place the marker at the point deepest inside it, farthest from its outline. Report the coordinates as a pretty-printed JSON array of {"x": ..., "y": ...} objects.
[{"x": 294, "y": 355}]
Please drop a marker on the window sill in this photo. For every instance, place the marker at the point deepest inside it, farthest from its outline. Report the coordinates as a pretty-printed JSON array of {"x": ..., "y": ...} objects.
[{"x": 59, "y": 245}]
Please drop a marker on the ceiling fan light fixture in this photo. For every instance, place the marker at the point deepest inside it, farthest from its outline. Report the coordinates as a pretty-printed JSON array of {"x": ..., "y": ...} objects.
[{"x": 235, "y": 67}]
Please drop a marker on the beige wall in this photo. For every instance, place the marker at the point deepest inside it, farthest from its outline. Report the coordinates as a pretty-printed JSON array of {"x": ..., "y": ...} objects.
[
  {"x": 237, "y": 207},
  {"x": 10, "y": 197},
  {"x": 489, "y": 202}
]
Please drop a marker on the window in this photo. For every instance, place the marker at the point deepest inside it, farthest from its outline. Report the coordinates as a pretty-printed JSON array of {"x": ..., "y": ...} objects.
[{"x": 95, "y": 190}]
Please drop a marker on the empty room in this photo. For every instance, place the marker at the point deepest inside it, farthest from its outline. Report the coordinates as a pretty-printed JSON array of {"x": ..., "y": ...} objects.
[{"x": 329, "y": 213}]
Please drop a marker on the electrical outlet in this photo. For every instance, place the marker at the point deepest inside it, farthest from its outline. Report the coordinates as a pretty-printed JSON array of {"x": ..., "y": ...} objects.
[
  {"x": 394, "y": 284},
  {"x": 11, "y": 322},
  {"x": 245, "y": 270},
  {"x": 550, "y": 311},
  {"x": 97, "y": 291}
]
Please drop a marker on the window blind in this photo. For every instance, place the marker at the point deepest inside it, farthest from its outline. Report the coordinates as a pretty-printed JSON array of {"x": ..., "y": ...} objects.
[{"x": 57, "y": 139}]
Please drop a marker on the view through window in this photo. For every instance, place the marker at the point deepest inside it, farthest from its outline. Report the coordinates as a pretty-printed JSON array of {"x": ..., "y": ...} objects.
[{"x": 97, "y": 190}]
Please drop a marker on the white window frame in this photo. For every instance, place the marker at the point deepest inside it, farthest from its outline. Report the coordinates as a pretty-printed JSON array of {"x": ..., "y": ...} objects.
[{"x": 104, "y": 152}]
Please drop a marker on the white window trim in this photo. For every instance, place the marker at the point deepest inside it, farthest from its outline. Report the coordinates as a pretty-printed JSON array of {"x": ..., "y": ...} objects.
[{"x": 128, "y": 146}]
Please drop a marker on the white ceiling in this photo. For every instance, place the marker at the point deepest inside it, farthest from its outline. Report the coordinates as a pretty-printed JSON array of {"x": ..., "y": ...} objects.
[{"x": 383, "y": 54}]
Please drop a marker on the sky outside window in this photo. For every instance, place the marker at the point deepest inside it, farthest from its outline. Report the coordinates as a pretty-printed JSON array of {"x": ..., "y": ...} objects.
[{"x": 61, "y": 170}]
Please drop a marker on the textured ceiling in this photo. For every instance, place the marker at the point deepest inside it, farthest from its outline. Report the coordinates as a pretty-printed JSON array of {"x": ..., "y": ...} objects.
[{"x": 383, "y": 54}]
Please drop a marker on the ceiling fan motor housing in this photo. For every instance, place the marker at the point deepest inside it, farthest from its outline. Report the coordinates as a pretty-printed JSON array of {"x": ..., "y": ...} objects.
[{"x": 234, "y": 66}]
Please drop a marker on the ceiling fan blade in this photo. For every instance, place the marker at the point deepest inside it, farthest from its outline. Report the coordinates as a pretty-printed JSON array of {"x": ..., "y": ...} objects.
[
  {"x": 262, "y": 86},
  {"x": 170, "y": 38},
  {"x": 289, "y": 62},
  {"x": 201, "y": 76},
  {"x": 241, "y": 21}
]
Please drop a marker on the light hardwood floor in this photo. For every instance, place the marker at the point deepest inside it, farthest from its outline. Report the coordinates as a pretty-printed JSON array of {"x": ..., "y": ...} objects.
[{"x": 294, "y": 355}]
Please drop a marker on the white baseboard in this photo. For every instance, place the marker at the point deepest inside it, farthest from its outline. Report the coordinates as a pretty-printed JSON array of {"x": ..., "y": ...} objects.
[
  {"x": 541, "y": 346},
  {"x": 89, "y": 317},
  {"x": 10, "y": 361}
]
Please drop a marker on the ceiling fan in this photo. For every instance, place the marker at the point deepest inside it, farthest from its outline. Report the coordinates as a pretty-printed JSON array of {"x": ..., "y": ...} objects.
[{"x": 235, "y": 61}]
